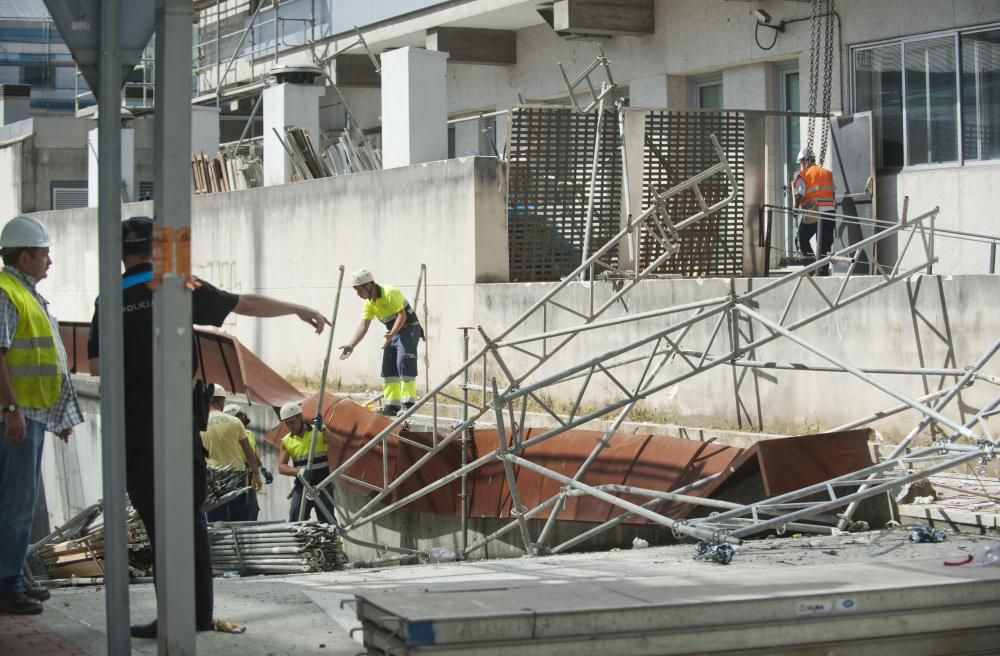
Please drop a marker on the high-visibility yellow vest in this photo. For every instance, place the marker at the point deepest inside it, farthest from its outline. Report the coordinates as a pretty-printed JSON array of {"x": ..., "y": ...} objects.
[
  {"x": 819, "y": 188},
  {"x": 298, "y": 449},
  {"x": 32, "y": 359}
]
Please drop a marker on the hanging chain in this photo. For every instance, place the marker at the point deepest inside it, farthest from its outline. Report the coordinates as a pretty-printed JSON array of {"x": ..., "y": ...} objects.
[
  {"x": 814, "y": 46},
  {"x": 827, "y": 82}
]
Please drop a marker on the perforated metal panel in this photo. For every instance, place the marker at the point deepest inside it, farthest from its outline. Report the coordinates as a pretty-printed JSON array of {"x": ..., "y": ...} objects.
[
  {"x": 549, "y": 167},
  {"x": 678, "y": 146}
]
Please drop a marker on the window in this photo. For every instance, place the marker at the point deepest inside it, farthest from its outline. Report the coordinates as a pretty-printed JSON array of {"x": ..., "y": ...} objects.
[
  {"x": 935, "y": 99},
  {"x": 706, "y": 93},
  {"x": 931, "y": 101},
  {"x": 981, "y": 94}
]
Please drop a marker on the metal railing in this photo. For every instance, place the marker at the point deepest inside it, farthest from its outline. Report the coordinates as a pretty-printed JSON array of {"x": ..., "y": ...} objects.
[{"x": 251, "y": 43}]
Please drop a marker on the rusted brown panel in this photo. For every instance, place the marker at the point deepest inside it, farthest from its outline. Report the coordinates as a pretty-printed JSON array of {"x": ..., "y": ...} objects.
[
  {"x": 647, "y": 461},
  {"x": 791, "y": 463},
  {"x": 224, "y": 360},
  {"x": 354, "y": 426}
]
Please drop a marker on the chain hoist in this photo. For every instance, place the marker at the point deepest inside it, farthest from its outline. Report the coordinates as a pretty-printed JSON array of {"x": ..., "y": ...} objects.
[{"x": 820, "y": 72}]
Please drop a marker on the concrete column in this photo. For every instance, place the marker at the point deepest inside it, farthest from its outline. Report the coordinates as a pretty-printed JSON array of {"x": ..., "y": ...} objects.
[
  {"x": 414, "y": 107},
  {"x": 288, "y": 104},
  {"x": 204, "y": 130},
  {"x": 130, "y": 192},
  {"x": 659, "y": 91}
]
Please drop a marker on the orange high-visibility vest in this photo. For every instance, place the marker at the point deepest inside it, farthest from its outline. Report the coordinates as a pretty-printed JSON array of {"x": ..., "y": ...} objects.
[{"x": 819, "y": 187}]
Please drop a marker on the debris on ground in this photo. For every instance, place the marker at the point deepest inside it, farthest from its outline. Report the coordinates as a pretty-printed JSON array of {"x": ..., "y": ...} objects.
[
  {"x": 275, "y": 547},
  {"x": 79, "y": 552}
]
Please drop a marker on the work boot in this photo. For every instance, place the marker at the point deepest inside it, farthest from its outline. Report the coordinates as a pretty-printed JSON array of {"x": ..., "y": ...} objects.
[
  {"x": 34, "y": 590},
  {"x": 149, "y": 630},
  {"x": 389, "y": 410},
  {"x": 20, "y": 604}
]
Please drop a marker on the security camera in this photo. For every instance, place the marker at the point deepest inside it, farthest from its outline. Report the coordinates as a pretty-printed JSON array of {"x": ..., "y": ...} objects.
[{"x": 764, "y": 20}]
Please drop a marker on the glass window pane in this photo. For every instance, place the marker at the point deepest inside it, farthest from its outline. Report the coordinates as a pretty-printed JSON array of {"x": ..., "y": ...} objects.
[
  {"x": 710, "y": 96},
  {"x": 931, "y": 101},
  {"x": 879, "y": 89},
  {"x": 981, "y": 95}
]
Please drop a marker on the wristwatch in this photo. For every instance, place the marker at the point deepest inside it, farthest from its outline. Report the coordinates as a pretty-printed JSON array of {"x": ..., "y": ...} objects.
[{"x": 10, "y": 408}]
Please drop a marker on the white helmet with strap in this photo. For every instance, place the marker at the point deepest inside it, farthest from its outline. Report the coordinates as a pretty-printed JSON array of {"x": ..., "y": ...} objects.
[{"x": 806, "y": 154}]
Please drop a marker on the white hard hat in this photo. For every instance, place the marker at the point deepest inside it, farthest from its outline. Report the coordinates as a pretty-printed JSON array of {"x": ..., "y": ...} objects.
[
  {"x": 231, "y": 409},
  {"x": 806, "y": 154},
  {"x": 361, "y": 277},
  {"x": 289, "y": 410},
  {"x": 218, "y": 391},
  {"x": 24, "y": 232}
]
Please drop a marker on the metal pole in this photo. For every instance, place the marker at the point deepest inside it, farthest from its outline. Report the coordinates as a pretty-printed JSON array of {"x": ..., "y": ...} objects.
[
  {"x": 218, "y": 51},
  {"x": 464, "y": 495},
  {"x": 174, "y": 430},
  {"x": 318, "y": 419},
  {"x": 249, "y": 125},
  {"x": 593, "y": 181},
  {"x": 993, "y": 257},
  {"x": 112, "y": 335}
]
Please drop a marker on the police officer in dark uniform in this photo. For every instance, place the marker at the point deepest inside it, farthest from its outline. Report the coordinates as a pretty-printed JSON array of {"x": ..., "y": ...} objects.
[{"x": 209, "y": 306}]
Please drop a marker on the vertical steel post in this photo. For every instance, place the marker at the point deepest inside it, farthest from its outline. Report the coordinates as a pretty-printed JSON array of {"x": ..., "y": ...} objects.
[
  {"x": 218, "y": 52},
  {"x": 993, "y": 257},
  {"x": 464, "y": 495},
  {"x": 172, "y": 331},
  {"x": 110, "y": 316},
  {"x": 318, "y": 419}
]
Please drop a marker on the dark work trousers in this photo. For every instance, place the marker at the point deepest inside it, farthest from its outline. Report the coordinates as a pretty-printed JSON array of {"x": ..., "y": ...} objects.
[
  {"x": 236, "y": 509},
  {"x": 253, "y": 507},
  {"x": 139, "y": 474},
  {"x": 808, "y": 230},
  {"x": 325, "y": 495}
]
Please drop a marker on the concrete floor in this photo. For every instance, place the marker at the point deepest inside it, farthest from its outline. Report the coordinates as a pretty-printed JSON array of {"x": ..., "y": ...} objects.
[{"x": 302, "y": 614}]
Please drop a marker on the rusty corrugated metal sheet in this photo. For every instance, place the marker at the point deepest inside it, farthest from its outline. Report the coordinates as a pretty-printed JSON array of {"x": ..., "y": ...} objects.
[
  {"x": 649, "y": 461},
  {"x": 224, "y": 360}
]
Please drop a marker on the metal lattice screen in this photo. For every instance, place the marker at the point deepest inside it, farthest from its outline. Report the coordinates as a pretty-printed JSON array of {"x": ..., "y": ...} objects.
[
  {"x": 677, "y": 146},
  {"x": 549, "y": 165}
]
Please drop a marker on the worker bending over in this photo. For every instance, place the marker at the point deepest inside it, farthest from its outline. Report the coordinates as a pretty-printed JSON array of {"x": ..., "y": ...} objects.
[
  {"x": 815, "y": 193},
  {"x": 253, "y": 507},
  {"x": 227, "y": 445},
  {"x": 295, "y": 447},
  {"x": 399, "y": 349}
]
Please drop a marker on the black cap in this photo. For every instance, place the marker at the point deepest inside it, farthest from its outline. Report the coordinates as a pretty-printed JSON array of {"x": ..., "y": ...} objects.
[{"x": 137, "y": 235}]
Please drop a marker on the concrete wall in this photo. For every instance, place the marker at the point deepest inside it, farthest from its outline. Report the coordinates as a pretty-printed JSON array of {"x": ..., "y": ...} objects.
[
  {"x": 287, "y": 241},
  {"x": 902, "y": 326}
]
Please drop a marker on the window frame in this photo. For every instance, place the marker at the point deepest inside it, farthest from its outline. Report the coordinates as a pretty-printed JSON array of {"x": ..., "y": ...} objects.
[
  {"x": 700, "y": 82},
  {"x": 956, "y": 36}
]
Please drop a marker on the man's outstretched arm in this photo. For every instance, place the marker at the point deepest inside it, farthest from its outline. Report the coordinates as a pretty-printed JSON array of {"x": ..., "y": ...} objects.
[{"x": 255, "y": 305}]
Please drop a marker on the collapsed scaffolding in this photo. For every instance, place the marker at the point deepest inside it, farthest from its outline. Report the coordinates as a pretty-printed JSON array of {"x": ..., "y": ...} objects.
[{"x": 698, "y": 337}]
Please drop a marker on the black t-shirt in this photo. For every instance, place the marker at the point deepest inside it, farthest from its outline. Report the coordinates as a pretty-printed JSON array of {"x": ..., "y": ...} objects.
[{"x": 209, "y": 307}]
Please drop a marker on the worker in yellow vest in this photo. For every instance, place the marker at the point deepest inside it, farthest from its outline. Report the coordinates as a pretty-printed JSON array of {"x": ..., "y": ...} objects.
[
  {"x": 387, "y": 305},
  {"x": 36, "y": 396},
  {"x": 294, "y": 447},
  {"x": 253, "y": 506},
  {"x": 815, "y": 195},
  {"x": 227, "y": 445}
]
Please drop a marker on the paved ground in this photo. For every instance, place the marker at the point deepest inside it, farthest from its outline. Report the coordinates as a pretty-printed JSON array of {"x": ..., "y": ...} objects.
[{"x": 303, "y": 614}]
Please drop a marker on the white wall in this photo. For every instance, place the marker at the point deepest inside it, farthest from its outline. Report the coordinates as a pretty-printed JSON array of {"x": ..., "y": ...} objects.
[
  {"x": 10, "y": 179},
  {"x": 287, "y": 241}
]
